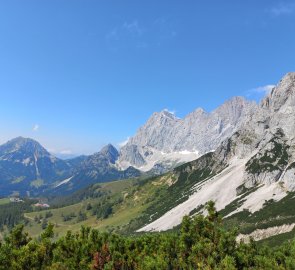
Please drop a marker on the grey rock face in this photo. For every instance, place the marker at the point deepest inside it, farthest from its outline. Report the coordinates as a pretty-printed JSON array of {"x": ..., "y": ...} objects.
[
  {"x": 280, "y": 105},
  {"x": 166, "y": 137},
  {"x": 269, "y": 134},
  {"x": 110, "y": 152},
  {"x": 258, "y": 161}
]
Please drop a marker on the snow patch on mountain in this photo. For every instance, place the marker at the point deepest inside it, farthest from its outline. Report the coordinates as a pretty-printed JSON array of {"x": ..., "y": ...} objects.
[
  {"x": 160, "y": 157},
  {"x": 64, "y": 182}
]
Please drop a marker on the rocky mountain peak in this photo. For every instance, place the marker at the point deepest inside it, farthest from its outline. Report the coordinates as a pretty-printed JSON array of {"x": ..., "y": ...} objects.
[
  {"x": 236, "y": 103},
  {"x": 283, "y": 93},
  {"x": 20, "y": 141},
  {"x": 110, "y": 152},
  {"x": 199, "y": 112},
  {"x": 278, "y": 107},
  {"x": 26, "y": 145},
  {"x": 163, "y": 116},
  {"x": 167, "y": 113},
  {"x": 170, "y": 140},
  {"x": 288, "y": 80}
]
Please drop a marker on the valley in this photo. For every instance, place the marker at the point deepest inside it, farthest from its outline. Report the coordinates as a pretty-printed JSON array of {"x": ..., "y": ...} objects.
[
  {"x": 147, "y": 135},
  {"x": 249, "y": 176}
]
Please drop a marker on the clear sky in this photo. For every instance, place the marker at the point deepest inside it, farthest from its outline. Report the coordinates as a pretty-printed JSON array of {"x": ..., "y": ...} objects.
[{"x": 78, "y": 74}]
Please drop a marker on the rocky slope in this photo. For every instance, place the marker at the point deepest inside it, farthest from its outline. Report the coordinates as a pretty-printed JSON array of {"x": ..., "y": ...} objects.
[
  {"x": 166, "y": 140},
  {"x": 258, "y": 162}
]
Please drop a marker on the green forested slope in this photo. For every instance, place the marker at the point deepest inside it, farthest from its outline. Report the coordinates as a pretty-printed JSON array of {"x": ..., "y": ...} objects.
[{"x": 201, "y": 243}]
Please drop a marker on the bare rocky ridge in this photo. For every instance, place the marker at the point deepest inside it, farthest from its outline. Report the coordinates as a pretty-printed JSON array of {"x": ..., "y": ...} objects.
[
  {"x": 271, "y": 131},
  {"x": 169, "y": 140},
  {"x": 260, "y": 158}
]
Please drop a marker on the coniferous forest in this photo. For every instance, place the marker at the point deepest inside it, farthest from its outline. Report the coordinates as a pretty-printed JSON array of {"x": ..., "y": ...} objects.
[{"x": 202, "y": 242}]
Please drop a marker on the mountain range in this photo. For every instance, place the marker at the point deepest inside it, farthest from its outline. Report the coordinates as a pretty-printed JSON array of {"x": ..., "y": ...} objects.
[
  {"x": 27, "y": 168},
  {"x": 250, "y": 169},
  {"x": 241, "y": 155},
  {"x": 164, "y": 142}
]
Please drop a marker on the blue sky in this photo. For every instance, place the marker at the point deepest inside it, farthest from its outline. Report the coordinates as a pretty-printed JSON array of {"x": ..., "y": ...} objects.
[{"x": 76, "y": 75}]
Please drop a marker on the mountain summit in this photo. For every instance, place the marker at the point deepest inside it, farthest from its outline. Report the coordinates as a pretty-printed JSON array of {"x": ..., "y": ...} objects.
[
  {"x": 166, "y": 139},
  {"x": 110, "y": 152},
  {"x": 25, "y": 145},
  {"x": 27, "y": 166},
  {"x": 239, "y": 129}
]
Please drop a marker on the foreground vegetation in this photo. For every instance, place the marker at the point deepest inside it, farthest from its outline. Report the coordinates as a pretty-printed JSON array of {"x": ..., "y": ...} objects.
[
  {"x": 125, "y": 206},
  {"x": 12, "y": 214},
  {"x": 201, "y": 243}
]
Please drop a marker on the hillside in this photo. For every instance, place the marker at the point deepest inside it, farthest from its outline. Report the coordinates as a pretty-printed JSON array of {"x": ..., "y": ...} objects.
[
  {"x": 201, "y": 243},
  {"x": 257, "y": 162},
  {"x": 137, "y": 202},
  {"x": 250, "y": 177}
]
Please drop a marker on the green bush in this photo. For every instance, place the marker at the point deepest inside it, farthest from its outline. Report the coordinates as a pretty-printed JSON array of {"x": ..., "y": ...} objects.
[{"x": 201, "y": 243}]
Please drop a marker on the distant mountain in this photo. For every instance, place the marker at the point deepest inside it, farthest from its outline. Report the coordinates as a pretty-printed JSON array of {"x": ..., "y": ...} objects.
[
  {"x": 28, "y": 168},
  {"x": 165, "y": 140},
  {"x": 96, "y": 168},
  {"x": 25, "y": 166},
  {"x": 249, "y": 170},
  {"x": 238, "y": 129}
]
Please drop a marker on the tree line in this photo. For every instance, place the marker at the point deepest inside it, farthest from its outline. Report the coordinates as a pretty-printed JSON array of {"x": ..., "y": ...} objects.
[
  {"x": 12, "y": 213},
  {"x": 201, "y": 243}
]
